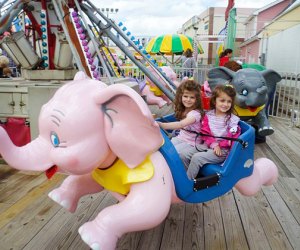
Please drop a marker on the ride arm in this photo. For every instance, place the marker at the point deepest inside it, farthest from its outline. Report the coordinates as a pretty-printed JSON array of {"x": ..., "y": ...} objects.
[
  {"x": 9, "y": 16},
  {"x": 89, "y": 11}
]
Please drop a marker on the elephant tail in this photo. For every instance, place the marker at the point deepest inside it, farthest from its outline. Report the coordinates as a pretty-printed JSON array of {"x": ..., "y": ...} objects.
[{"x": 265, "y": 173}]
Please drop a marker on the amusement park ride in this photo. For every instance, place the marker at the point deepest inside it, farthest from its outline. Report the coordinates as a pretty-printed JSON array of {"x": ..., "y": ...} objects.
[
  {"x": 49, "y": 41},
  {"x": 90, "y": 126}
]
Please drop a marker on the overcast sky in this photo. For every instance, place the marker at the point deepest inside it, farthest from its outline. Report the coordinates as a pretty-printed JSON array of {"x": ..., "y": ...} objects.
[{"x": 156, "y": 17}]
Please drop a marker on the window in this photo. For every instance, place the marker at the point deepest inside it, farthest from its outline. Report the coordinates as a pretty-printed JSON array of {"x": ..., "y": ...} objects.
[{"x": 206, "y": 26}]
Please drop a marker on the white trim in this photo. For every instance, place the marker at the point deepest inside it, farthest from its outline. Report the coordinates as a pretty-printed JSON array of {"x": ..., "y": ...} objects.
[
  {"x": 256, "y": 12},
  {"x": 252, "y": 39}
]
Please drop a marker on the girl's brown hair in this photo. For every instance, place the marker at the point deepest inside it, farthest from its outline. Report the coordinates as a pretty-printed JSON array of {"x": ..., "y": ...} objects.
[
  {"x": 188, "y": 85},
  {"x": 228, "y": 90},
  {"x": 233, "y": 65}
]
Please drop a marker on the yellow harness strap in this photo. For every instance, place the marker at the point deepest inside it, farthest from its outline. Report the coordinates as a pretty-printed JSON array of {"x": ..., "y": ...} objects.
[{"x": 119, "y": 177}]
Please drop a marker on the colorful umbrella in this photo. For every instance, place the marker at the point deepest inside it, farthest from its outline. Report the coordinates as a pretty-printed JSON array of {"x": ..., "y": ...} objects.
[{"x": 169, "y": 44}]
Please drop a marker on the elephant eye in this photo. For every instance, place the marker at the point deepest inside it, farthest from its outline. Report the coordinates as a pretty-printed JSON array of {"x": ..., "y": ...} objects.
[
  {"x": 54, "y": 139},
  {"x": 244, "y": 92}
]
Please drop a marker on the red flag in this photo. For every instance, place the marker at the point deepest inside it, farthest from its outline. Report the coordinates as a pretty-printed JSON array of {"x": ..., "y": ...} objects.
[{"x": 229, "y": 7}]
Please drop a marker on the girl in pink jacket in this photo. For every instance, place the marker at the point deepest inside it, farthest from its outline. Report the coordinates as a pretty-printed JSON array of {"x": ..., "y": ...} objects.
[{"x": 218, "y": 122}]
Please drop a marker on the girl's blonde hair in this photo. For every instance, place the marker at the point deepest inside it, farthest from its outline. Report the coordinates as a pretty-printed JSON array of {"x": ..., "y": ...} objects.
[
  {"x": 228, "y": 90},
  {"x": 188, "y": 85}
]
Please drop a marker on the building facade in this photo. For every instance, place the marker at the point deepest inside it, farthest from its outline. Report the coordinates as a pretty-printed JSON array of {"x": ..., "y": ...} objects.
[
  {"x": 252, "y": 48},
  {"x": 207, "y": 26},
  {"x": 280, "y": 41}
]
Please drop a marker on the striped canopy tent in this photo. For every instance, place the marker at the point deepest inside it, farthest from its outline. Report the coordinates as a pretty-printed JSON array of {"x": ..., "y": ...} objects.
[{"x": 169, "y": 44}]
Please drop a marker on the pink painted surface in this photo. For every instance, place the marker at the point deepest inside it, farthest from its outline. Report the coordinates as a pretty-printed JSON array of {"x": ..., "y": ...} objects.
[
  {"x": 251, "y": 51},
  {"x": 269, "y": 14},
  {"x": 88, "y": 125}
]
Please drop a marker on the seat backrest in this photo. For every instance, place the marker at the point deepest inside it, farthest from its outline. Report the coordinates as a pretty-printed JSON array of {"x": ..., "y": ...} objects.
[
  {"x": 239, "y": 161},
  {"x": 238, "y": 164}
]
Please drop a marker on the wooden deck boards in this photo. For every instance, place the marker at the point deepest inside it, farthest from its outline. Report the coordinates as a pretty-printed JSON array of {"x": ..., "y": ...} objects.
[{"x": 270, "y": 220}]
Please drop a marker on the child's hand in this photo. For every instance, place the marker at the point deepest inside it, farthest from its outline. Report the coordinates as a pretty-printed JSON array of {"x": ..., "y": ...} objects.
[
  {"x": 217, "y": 150},
  {"x": 161, "y": 124}
]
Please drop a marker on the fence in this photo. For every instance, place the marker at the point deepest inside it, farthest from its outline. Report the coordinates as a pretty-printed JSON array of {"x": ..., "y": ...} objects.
[
  {"x": 285, "y": 103},
  {"x": 199, "y": 72},
  {"x": 286, "y": 100}
]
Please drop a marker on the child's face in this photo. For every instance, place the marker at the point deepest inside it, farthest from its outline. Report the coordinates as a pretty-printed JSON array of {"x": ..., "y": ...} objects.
[
  {"x": 223, "y": 103},
  {"x": 188, "y": 99}
]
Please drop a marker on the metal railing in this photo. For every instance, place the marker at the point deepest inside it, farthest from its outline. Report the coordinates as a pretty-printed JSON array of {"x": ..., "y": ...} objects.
[
  {"x": 284, "y": 105},
  {"x": 199, "y": 73},
  {"x": 286, "y": 100}
]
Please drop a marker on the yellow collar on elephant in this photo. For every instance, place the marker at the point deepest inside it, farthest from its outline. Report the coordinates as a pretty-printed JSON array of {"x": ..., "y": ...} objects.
[
  {"x": 119, "y": 177},
  {"x": 156, "y": 91},
  {"x": 247, "y": 111}
]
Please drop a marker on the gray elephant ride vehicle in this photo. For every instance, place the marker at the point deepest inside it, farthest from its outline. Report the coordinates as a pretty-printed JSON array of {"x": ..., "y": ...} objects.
[{"x": 255, "y": 90}]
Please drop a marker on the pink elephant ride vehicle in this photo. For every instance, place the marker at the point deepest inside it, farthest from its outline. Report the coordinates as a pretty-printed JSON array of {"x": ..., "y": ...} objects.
[
  {"x": 154, "y": 96},
  {"x": 105, "y": 137}
]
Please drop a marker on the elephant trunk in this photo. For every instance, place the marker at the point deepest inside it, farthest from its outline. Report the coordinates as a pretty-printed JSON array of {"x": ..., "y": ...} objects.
[
  {"x": 253, "y": 101},
  {"x": 33, "y": 156}
]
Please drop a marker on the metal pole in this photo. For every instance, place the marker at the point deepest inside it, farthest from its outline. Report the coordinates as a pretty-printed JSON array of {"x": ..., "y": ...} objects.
[
  {"x": 94, "y": 19},
  {"x": 94, "y": 43},
  {"x": 77, "y": 59},
  {"x": 109, "y": 24}
]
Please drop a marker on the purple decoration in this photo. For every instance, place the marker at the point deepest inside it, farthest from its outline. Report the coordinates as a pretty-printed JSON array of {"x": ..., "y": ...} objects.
[
  {"x": 77, "y": 25},
  {"x": 93, "y": 67},
  {"x": 88, "y": 55},
  {"x": 84, "y": 42},
  {"x": 91, "y": 60},
  {"x": 95, "y": 74},
  {"x": 80, "y": 30},
  {"x": 76, "y": 19},
  {"x": 86, "y": 48},
  {"x": 82, "y": 36},
  {"x": 74, "y": 14}
]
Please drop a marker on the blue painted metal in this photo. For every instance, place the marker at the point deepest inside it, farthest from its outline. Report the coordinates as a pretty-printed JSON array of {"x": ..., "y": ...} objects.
[{"x": 239, "y": 164}]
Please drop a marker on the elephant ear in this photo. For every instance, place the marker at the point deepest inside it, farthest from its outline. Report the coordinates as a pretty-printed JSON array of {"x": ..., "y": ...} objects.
[
  {"x": 271, "y": 77},
  {"x": 80, "y": 75},
  {"x": 219, "y": 75},
  {"x": 129, "y": 127}
]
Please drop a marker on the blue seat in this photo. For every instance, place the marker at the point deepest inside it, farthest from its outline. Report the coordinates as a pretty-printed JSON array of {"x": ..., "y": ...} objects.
[{"x": 216, "y": 180}]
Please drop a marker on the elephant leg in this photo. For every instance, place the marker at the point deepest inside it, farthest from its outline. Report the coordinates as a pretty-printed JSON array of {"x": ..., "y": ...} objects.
[
  {"x": 74, "y": 187},
  {"x": 167, "y": 99},
  {"x": 264, "y": 173},
  {"x": 145, "y": 207},
  {"x": 264, "y": 127}
]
